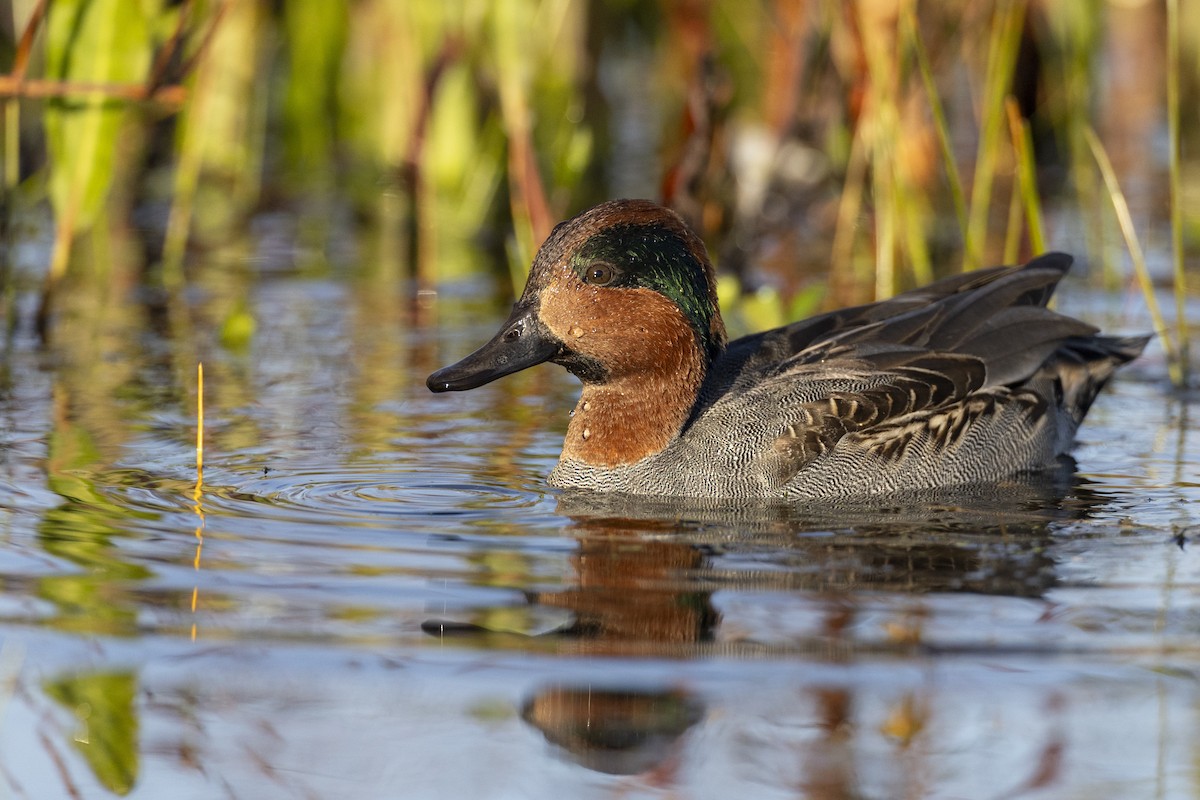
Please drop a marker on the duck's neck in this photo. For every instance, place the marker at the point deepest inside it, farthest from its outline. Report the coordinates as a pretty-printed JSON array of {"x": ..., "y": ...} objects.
[{"x": 630, "y": 417}]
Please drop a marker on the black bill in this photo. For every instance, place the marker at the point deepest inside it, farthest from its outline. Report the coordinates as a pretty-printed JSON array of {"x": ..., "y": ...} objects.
[{"x": 523, "y": 341}]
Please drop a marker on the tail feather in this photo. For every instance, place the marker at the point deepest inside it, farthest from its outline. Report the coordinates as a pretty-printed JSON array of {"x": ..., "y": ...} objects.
[{"x": 1081, "y": 368}]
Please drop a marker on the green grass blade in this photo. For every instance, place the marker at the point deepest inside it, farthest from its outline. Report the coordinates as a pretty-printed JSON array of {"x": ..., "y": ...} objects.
[
  {"x": 1125, "y": 220},
  {"x": 93, "y": 42},
  {"x": 1005, "y": 40},
  {"x": 220, "y": 133},
  {"x": 909, "y": 21},
  {"x": 12, "y": 144},
  {"x": 849, "y": 209},
  {"x": 1027, "y": 175}
]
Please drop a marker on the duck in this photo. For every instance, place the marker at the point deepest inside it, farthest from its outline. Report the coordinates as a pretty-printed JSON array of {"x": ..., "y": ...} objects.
[{"x": 968, "y": 380}]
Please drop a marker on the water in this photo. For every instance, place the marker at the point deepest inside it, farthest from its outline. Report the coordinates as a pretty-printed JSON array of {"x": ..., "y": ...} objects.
[{"x": 373, "y": 593}]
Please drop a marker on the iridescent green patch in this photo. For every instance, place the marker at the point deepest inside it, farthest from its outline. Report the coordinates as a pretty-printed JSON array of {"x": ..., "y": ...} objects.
[{"x": 653, "y": 257}]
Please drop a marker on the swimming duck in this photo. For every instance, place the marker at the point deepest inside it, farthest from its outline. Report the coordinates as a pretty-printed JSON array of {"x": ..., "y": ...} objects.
[{"x": 964, "y": 381}]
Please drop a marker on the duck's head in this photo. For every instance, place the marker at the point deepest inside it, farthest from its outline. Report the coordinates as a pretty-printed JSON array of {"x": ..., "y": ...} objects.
[{"x": 620, "y": 291}]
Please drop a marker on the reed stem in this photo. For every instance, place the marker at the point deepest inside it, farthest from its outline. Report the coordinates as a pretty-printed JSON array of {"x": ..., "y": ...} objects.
[
  {"x": 1027, "y": 175},
  {"x": 958, "y": 197},
  {"x": 1002, "y": 55},
  {"x": 1179, "y": 284},
  {"x": 1136, "y": 254}
]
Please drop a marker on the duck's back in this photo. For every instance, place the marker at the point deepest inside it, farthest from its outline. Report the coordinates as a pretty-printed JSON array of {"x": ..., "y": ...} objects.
[{"x": 967, "y": 380}]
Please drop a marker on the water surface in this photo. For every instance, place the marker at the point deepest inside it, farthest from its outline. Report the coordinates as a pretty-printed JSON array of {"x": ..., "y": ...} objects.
[{"x": 372, "y": 592}]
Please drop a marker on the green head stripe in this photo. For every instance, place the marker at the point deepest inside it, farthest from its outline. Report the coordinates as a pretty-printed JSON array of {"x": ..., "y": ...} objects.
[{"x": 652, "y": 256}]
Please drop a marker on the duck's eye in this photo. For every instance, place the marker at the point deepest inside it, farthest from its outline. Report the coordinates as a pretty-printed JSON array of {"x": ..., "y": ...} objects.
[{"x": 599, "y": 274}]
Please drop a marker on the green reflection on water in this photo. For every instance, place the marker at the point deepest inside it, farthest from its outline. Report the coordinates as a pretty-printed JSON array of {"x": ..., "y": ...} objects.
[
  {"x": 107, "y": 724},
  {"x": 81, "y": 531}
]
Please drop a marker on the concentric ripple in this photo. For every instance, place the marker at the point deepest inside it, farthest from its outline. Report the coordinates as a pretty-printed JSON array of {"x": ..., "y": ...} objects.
[{"x": 323, "y": 494}]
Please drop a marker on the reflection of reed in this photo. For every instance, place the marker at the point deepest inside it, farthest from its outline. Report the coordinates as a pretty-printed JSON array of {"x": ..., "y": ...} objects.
[{"x": 829, "y": 768}]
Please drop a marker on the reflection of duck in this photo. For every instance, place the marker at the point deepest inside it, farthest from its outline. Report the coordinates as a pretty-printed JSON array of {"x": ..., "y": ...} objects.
[
  {"x": 966, "y": 380},
  {"x": 645, "y": 570},
  {"x": 617, "y": 731},
  {"x": 984, "y": 539},
  {"x": 632, "y": 594}
]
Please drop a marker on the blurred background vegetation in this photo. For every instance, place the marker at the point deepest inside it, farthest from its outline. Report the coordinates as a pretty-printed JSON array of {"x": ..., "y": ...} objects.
[{"x": 828, "y": 151}]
